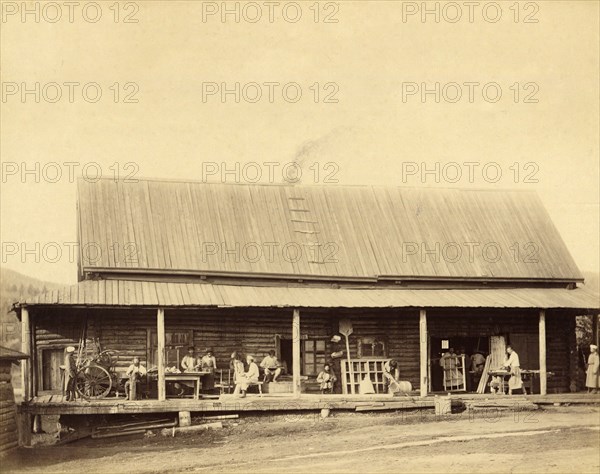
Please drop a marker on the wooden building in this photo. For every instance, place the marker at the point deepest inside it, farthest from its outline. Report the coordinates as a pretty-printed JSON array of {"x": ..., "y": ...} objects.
[
  {"x": 9, "y": 435},
  {"x": 165, "y": 265}
]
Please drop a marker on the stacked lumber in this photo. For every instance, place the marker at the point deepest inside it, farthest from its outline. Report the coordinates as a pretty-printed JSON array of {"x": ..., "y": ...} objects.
[
  {"x": 501, "y": 403},
  {"x": 484, "y": 375},
  {"x": 134, "y": 428},
  {"x": 407, "y": 404}
]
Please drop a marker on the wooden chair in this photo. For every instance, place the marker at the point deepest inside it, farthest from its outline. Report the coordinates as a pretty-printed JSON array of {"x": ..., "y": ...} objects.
[{"x": 225, "y": 382}]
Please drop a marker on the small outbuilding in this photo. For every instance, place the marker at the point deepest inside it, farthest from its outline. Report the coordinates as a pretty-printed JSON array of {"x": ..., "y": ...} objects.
[{"x": 9, "y": 436}]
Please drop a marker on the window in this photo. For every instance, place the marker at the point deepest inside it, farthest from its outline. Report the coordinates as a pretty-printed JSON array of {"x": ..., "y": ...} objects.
[
  {"x": 313, "y": 356},
  {"x": 371, "y": 347},
  {"x": 176, "y": 346}
]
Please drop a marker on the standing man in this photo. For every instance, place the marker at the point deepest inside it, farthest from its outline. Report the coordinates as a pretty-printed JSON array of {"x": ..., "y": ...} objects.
[
  {"x": 70, "y": 369},
  {"x": 513, "y": 365},
  {"x": 208, "y": 363},
  {"x": 271, "y": 367},
  {"x": 391, "y": 374},
  {"x": 134, "y": 373},
  {"x": 477, "y": 364},
  {"x": 593, "y": 366},
  {"x": 189, "y": 362}
]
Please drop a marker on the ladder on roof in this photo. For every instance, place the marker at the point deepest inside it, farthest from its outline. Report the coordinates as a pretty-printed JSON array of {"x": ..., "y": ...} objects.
[{"x": 305, "y": 228}]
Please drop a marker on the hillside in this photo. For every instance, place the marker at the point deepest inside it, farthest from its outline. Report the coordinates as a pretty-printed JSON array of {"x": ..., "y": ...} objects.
[{"x": 12, "y": 285}]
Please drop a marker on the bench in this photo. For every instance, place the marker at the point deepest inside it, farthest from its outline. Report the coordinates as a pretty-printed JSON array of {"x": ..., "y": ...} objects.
[
  {"x": 226, "y": 384},
  {"x": 259, "y": 384}
]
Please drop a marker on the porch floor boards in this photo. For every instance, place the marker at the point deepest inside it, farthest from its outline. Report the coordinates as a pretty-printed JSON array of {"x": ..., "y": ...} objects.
[{"x": 57, "y": 405}]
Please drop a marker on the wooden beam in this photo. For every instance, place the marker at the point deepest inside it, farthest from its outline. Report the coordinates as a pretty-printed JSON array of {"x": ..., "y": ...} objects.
[
  {"x": 423, "y": 351},
  {"x": 296, "y": 352},
  {"x": 543, "y": 372},
  {"x": 26, "y": 349},
  {"x": 160, "y": 332}
]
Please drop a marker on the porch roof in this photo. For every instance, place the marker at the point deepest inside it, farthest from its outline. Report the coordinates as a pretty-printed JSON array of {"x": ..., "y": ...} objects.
[
  {"x": 145, "y": 293},
  {"x": 7, "y": 353}
]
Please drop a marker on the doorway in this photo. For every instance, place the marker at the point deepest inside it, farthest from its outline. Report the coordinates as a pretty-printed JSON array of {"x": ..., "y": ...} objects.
[
  {"x": 440, "y": 345},
  {"x": 51, "y": 376},
  {"x": 285, "y": 355}
]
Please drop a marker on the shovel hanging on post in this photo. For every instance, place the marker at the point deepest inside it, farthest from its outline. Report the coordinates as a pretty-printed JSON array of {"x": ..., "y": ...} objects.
[{"x": 346, "y": 330}]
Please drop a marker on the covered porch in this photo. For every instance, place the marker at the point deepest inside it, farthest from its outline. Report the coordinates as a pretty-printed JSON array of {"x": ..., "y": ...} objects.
[{"x": 157, "y": 321}]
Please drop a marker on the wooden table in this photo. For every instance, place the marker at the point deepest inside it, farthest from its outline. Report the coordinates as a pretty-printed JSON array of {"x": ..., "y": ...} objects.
[
  {"x": 527, "y": 377},
  {"x": 195, "y": 377},
  {"x": 500, "y": 374}
]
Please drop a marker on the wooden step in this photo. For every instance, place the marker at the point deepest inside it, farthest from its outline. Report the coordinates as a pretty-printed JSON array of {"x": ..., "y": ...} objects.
[{"x": 278, "y": 387}]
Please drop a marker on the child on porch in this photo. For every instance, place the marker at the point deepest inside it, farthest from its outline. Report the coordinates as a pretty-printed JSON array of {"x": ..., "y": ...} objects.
[{"x": 326, "y": 379}]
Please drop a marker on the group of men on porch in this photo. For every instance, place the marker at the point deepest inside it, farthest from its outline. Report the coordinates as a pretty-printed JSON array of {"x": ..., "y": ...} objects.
[{"x": 246, "y": 375}]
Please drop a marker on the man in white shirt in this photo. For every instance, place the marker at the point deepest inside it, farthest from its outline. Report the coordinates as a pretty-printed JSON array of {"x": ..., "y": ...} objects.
[
  {"x": 513, "y": 365},
  {"x": 189, "y": 363},
  {"x": 249, "y": 377},
  {"x": 271, "y": 366},
  {"x": 134, "y": 372}
]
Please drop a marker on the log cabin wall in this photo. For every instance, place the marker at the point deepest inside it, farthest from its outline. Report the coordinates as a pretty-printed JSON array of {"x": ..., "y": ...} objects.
[
  {"x": 9, "y": 436},
  {"x": 250, "y": 331},
  {"x": 399, "y": 329},
  {"x": 524, "y": 323},
  {"x": 116, "y": 329},
  {"x": 561, "y": 351},
  {"x": 253, "y": 331}
]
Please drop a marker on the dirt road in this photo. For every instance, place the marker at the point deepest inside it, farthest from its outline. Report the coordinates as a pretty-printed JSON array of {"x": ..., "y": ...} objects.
[{"x": 553, "y": 440}]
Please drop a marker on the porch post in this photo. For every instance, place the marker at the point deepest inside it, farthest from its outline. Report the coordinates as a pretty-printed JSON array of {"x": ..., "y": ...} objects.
[
  {"x": 26, "y": 349},
  {"x": 296, "y": 352},
  {"x": 423, "y": 351},
  {"x": 160, "y": 333},
  {"x": 542, "y": 333}
]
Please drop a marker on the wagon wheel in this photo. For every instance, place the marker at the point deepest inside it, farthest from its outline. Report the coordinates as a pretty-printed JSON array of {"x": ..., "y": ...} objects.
[
  {"x": 93, "y": 382},
  {"x": 107, "y": 358}
]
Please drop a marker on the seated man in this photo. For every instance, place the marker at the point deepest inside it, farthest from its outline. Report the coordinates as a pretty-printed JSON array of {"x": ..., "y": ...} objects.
[
  {"x": 134, "y": 373},
  {"x": 189, "y": 363},
  {"x": 326, "y": 379},
  {"x": 271, "y": 366},
  {"x": 243, "y": 380}
]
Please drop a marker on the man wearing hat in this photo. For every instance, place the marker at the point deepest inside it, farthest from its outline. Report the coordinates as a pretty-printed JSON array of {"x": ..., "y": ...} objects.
[
  {"x": 70, "y": 369},
  {"x": 593, "y": 366}
]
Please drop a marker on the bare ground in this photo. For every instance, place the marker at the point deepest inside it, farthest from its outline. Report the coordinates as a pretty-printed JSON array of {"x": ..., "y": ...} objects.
[{"x": 552, "y": 440}]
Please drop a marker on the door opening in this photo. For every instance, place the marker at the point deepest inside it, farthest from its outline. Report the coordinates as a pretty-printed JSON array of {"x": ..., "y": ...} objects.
[
  {"x": 467, "y": 345},
  {"x": 285, "y": 349}
]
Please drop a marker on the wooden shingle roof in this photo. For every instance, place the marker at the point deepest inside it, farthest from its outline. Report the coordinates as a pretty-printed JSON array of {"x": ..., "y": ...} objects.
[{"x": 363, "y": 232}]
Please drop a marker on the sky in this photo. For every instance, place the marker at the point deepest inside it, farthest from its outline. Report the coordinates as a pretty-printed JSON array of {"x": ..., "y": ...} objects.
[{"x": 505, "y": 95}]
